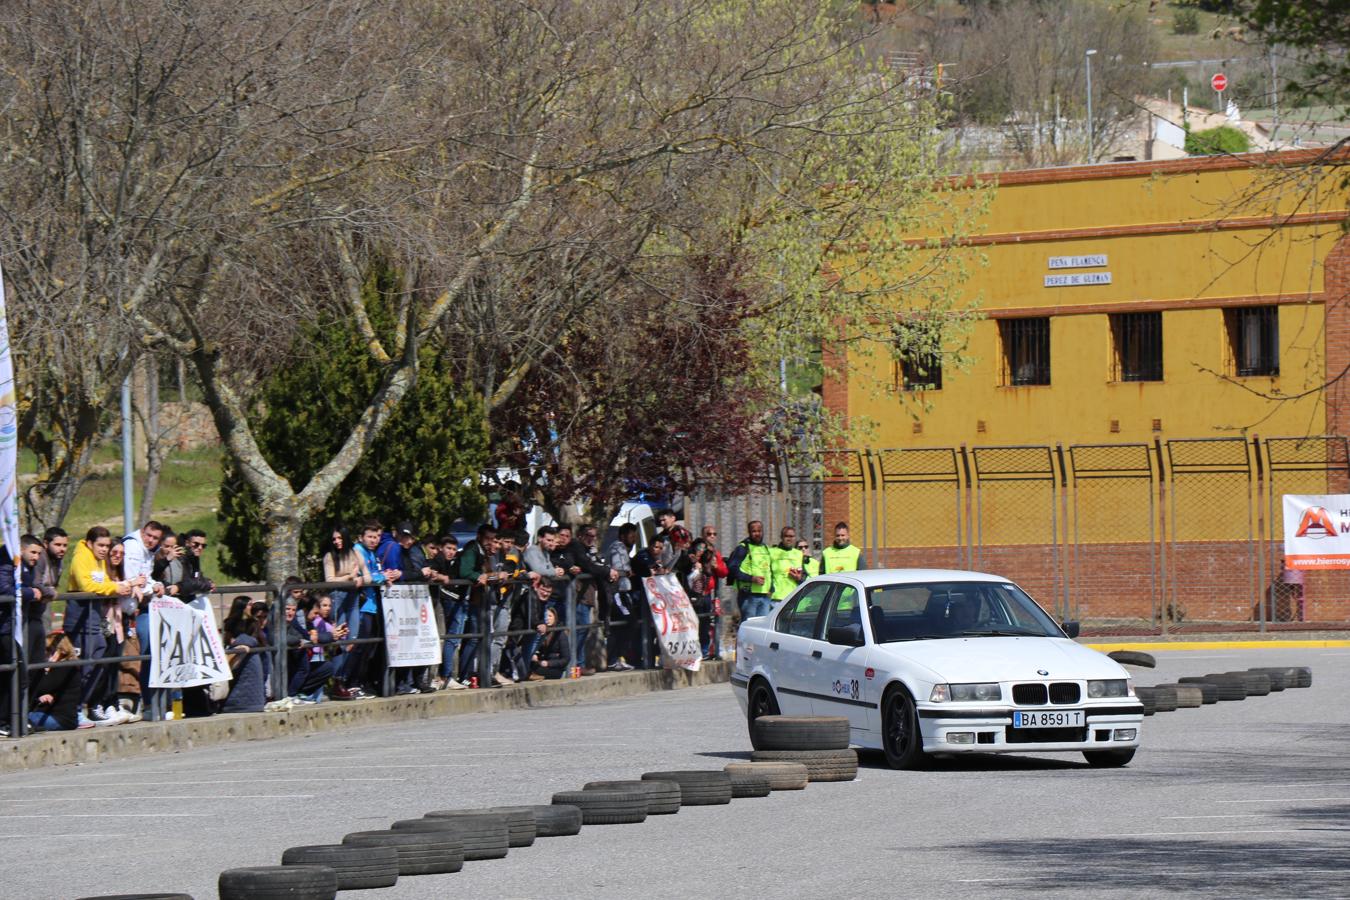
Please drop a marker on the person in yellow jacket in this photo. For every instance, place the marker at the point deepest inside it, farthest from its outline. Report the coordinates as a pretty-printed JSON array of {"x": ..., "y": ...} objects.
[
  {"x": 841, "y": 556},
  {"x": 749, "y": 568},
  {"x": 84, "y": 619},
  {"x": 810, "y": 565},
  {"x": 786, "y": 562}
]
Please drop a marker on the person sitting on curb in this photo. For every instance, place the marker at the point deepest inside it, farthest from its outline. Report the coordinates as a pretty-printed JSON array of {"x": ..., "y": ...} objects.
[
  {"x": 553, "y": 653},
  {"x": 56, "y": 696}
]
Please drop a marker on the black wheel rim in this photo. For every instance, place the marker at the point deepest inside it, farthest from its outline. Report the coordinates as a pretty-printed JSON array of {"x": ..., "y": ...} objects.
[
  {"x": 899, "y": 730},
  {"x": 759, "y": 706}
]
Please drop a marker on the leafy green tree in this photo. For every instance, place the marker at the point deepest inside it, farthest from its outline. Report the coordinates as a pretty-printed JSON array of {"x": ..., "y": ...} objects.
[
  {"x": 1224, "y": 139},
  {"x": 424, "y": 467}
]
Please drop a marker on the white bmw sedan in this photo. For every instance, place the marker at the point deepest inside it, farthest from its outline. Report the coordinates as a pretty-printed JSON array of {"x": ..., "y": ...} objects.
[{"x": 926, "y": 661}]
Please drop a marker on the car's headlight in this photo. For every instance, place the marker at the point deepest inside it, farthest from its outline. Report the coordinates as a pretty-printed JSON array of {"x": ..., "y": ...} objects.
[
  {"x": 960, "y": 693},
  {"x": 1115, "y": 687}
]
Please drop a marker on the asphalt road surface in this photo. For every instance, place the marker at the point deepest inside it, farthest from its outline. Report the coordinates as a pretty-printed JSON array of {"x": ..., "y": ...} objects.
[{"x": 1238, "y": 799}]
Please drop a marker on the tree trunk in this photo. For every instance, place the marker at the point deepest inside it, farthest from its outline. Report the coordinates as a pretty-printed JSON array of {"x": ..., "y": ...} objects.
[
  {"x": 154, "y": 440},
  {"x": 283, "y": 546}
]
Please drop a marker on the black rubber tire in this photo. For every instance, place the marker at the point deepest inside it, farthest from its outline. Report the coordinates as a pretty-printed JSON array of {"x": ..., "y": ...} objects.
[
  {"x": 1258, "y": 684},
  {"x": 801, "y": 733},
  {"x": 606, "y": 807},
  {"x": 552, "y": 821},
  {"x": 520, "y": 826},
  {"x": 743, "y": 786},
  {"x": 1108, "y": 759},
  {"x": 1279, "y": 678},
  {"x": 479, "y": 837},
  {"x": 1209, "y": 691},
  {"x": 1145, "y": 696},
  {"x": 698, "y": 787},
  {"x": 1134, "y": 658},
  {"x": 821, "y": 765},
  {"x": 356, "y": 867},
  {"x": 1304, "y": 676},
  {"x": 782, "y": 776},
  {"x": 901, "y": 740},
  {"x": 663, "y": 797},
  {"x": 419, "y": 852},
  {"x": 278, "y": 883},
  {"x": 1189, "y": 696},
  {"x": 1229, "y": 687},
  {"x": 760, "y": 702},
  {"x": 1164, "y": 698}
]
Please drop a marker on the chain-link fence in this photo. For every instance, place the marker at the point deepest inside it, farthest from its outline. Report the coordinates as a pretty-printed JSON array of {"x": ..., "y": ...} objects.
[{"x": 1130, "y": 538}]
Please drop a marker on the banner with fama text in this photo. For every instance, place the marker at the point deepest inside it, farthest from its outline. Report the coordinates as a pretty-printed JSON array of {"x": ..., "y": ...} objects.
[
  {"x": 185, "y": 648},
  {"x": 1317, "y": 531},
  {"x": 676, "y": 623}
]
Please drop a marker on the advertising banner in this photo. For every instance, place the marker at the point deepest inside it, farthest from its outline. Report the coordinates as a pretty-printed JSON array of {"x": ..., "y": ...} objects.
[
  {"x": 185, "y": 648},
  {"x": 1317, "y": 531},
  {"x": 676, "y": 623},
  {"x": 410, "y": 626}
]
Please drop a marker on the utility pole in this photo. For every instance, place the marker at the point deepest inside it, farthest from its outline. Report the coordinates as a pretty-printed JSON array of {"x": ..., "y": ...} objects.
[
  {"x": 128, "y": 462},
  {"x": 1087, "y": 59}
]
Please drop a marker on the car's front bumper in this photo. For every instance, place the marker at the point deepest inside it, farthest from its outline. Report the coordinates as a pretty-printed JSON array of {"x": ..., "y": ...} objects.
[{"x": 950, "y": 729}]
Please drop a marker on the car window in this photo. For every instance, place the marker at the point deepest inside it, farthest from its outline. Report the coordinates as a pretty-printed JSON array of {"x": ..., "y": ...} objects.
[
  {"x": 845, "y": 610},
  {"x": 903, "y": 612},
  {"x": 800, "y": 615}
]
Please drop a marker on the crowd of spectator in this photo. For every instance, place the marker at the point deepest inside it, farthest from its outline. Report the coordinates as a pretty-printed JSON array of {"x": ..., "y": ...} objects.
[{"x": 516, "y": 590}]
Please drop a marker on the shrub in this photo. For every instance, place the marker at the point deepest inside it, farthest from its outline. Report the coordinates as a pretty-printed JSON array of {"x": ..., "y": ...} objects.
[{"x": 1224, "y": 139}]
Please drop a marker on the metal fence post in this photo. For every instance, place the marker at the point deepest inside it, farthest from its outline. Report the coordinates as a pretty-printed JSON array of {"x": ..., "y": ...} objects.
[
  {"x": 280, "y": 677},
  {"x": 1259, "y": 541},
  {"x": 571, "y": 625},
  {"x": 485, "y": 678}
]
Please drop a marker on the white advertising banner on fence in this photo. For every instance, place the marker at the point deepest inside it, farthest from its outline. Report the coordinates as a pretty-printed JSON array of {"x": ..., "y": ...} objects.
[
  {"x": 676, "y": 623},
  {"x": 410, "y": 626},
  {"x": 1317, "y": 531},
  {"x": 185, "y": 648}
]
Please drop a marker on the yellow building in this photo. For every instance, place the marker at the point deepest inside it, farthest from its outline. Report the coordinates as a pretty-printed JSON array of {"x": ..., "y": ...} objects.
[{"x": 1127, "y": 301}]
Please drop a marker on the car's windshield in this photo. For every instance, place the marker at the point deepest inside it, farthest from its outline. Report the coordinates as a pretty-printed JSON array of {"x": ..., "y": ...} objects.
[{"x": 947, "y": 609}]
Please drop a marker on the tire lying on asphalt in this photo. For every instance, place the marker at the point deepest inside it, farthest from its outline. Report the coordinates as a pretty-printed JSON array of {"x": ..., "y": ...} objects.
[
  {"x": 1134, "y": 658},
  {"x": 782, "y": 776},
  {"x": 800, "y": 733},
  {"x": 821, "y": 765},
  {"x": 1189, "y": 696},
  {"x": 606, "y": 807},
  {"x": 1209, "y": 691},
  {"x": 479, "y": 837},
  {"x": 356, "y": 867},
  {"x": 278, "y": 883},
  {"x": 520, "y": 826},
  {"x": 1258, "y": 685},
  {"x": 698, "y": 787},
  {"x": 663, "y": 797},
  {"x": 419, "y": 852},
  {"x": 749, "y": 786},
  {"x": 1229, "y": 687},
  {"x": 1280, "y": 679},
  {"x": 1145, "y": 696},
  {"x": 1304, "y": 676},
  {"x": 1164, "y": 698},
  {"x": 551, "y": 821}
]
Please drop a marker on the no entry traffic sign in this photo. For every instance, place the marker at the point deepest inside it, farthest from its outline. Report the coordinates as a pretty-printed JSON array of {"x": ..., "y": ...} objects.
[{"x": 1219, "y": 82}]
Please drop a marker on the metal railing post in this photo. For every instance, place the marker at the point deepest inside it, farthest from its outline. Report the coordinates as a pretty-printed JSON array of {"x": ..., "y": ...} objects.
[
  {"x": 17, "y": 696},
  {"x": 485, "y": 639},
  {"x": 280, "y": 677},
  {"x": 571, "y": 625}
]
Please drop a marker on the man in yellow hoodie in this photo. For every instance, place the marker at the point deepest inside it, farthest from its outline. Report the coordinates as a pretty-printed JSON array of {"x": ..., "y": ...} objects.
[{"x": 83, "y": 622}]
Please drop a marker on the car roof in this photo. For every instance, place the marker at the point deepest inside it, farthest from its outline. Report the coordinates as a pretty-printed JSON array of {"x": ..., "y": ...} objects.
[{"x": 877, "y": 577}]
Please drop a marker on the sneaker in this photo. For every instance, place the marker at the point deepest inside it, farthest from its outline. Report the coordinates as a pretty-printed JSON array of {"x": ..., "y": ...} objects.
[
  {"x": 537, "y": 677},
  {"x": 341, "y": 693},
  {"x": 453, "y": 685},
  {"x": 4, "y": 731},
  {"x": 621, "y": 666},
  {"x": 123, "y": 716},
  {"x": 100, "y": 717},
  {"x": 134, "y": 717},
  {"x": 406, "y": 690},
  {"x": 438, "y": 683},
  {"x": 502, "y": 680},
  {"x": 300, "y": 700},
  {"x": 83, "y": 721}
]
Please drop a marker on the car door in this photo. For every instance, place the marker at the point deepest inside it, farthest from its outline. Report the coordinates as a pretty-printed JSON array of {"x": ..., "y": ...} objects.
[
  {"x": 790, "y": 646},
  {"x": 842, "y": 687}
]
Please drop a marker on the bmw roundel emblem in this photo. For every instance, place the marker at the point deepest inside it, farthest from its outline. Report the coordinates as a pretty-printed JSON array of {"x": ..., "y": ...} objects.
[{"x": 1042, "y": 672}]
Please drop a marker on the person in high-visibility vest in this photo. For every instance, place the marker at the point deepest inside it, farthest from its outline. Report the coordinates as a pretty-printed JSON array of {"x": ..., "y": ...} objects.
[
  {"x": 841, "y": 556},
  {"x": 786, "y": 562},
  {"x": 810, "y": 565},
  {"x": 749, "y": 568}
]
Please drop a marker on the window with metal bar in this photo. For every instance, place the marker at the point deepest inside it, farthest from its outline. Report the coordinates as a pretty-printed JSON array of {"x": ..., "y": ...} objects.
[
  {"x": 1254, "y": 340},
  {"x": 920, "y": 372},
  {"x": 1138, "y": 339},
  {"x": 1026, "y": 350}
]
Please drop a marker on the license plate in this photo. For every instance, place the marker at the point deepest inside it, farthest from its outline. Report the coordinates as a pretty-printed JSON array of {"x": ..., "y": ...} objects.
[{"x": 1049, "y": 718}]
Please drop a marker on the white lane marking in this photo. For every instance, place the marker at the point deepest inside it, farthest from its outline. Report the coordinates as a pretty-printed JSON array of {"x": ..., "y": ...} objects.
[
  {"x": 1299, "y": 784},
  {"x": 1233, "y": 816},
  {"x": 147, "y": 815},
  {"x": 291, "y": 768},
  {"x": 43, "y": 837},
  {"x": 214, "y": 798},
  {"x": 1139, "y": 834},
  {"x": 89, "y": 784},
  {"x": 1291, "y": 800}
]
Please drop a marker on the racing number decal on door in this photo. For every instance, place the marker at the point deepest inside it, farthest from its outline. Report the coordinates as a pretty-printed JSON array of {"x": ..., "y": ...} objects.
[{"x": 843, "y": 688}]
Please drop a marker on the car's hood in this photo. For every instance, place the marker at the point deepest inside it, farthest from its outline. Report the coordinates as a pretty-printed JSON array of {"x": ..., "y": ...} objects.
[{"x": 979, "y": 659}]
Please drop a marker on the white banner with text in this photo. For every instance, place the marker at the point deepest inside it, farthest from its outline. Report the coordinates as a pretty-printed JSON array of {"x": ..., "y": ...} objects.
[
  {"x": 410, "y": 626},
  {"x": 676, "y": 623},
  {"x": 1317, "y": 531},
  {"x": 185, "y": 648}
]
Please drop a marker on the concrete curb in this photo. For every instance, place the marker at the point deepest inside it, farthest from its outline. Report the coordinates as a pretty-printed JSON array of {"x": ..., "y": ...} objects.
[{"x": 91, "y": 745}]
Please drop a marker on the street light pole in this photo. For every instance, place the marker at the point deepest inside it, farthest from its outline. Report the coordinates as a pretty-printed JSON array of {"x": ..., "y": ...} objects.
[{"x": 1087, "y": 59}]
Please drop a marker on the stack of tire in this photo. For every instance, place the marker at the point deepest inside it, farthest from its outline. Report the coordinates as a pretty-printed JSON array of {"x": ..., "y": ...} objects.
[
  {"x": 820, "y": 743},
  {"x": 1197, "y": 690}
]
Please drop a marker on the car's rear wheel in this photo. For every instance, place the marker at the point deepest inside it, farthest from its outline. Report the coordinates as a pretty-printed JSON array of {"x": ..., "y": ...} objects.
[
  {"x": 1108, "y": 759},
  {"x": 901, "y": 739},
  {"x": 761, "y": 702}
]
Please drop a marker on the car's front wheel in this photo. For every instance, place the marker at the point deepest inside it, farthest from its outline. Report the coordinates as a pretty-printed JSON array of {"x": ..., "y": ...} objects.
[
  {"x": 761, "y": 702},
  {"x": 1108, "y": 759},
  {"x": 900, "y": 737}
]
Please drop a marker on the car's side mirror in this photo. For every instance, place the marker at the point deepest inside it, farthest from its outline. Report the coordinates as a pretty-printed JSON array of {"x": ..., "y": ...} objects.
[
  {"x": 846, "y": 635},
  {"x": 1071, "y": 629}
]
